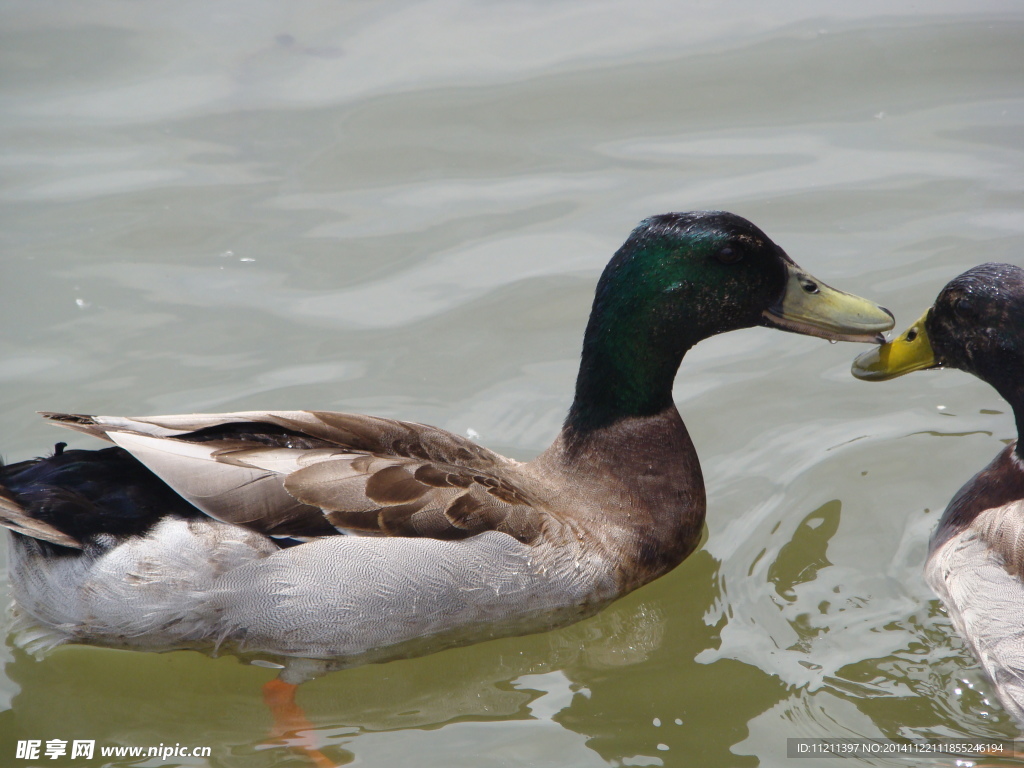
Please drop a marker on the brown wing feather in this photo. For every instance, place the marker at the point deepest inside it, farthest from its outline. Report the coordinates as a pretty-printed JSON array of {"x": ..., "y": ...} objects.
[
  {"x": 405, "y": 497},
  {"x": 365, "y": 474},
  {"x": 368, "y": 434},
  {"x": 14, "y": 517},
  {"x": 388, "y": 437}
]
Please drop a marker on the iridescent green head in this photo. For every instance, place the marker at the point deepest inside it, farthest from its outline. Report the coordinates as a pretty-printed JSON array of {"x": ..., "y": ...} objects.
[{"x": 683, "y": 277}]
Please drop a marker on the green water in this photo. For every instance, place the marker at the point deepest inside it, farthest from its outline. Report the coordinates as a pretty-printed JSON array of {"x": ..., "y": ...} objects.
[{"x": 403, "y": 210}]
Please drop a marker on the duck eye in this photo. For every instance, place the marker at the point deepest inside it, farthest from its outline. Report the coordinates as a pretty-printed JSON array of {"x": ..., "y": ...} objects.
[
  {"x": 809, "y": 286},
  {"x": 728, "y": 255},
  {"x": 965, "y": 306}
]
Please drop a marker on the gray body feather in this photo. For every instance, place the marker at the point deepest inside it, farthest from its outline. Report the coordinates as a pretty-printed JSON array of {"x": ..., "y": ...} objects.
[
  {"x": 984, "y": 594},
  {"x": 198, "y": 584}
]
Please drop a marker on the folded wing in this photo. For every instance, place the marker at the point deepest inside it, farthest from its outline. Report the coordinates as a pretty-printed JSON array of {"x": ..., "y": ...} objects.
[{"x": 315, "y": 473}]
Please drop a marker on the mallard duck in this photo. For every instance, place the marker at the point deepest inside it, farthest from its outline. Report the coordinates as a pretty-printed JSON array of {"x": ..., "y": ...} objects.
[
  {"x": 357, "y": 538},
  {"x": 976, "y": 556}
]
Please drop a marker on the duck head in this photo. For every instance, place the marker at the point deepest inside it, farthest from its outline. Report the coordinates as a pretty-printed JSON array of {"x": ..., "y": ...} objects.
[
  {"x": 683, "y": 277},
  {"x": 976, "y": 325}
]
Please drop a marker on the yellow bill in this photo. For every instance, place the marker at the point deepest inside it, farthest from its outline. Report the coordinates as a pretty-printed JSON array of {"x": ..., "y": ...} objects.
[{"x": 911, "y": 351}]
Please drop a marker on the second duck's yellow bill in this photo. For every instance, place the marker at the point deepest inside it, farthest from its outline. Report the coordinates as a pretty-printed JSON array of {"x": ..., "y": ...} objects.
[{"x": 910, "y": 351}]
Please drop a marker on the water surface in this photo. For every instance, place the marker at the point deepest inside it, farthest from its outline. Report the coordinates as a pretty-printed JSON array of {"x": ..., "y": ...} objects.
[{"x": 403, "y": 210}]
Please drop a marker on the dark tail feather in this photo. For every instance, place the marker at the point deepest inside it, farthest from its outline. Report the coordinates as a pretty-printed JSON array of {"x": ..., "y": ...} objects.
[{"x": 72, "y": 496}]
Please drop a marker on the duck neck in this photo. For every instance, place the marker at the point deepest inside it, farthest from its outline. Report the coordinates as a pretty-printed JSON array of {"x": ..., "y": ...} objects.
[
  {"x": 1018, "y": 415},
  {"x": 617, "y": 384},
  {"x": 1010, "y": 386},
  {"x": 627, "y": 370}
]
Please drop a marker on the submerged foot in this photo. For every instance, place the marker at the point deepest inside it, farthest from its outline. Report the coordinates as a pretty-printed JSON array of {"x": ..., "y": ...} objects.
[{"x": 290, "y": 722}]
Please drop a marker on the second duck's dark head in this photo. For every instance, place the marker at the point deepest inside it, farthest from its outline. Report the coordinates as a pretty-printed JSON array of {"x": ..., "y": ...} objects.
[{"x": 976, "y": 324}]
